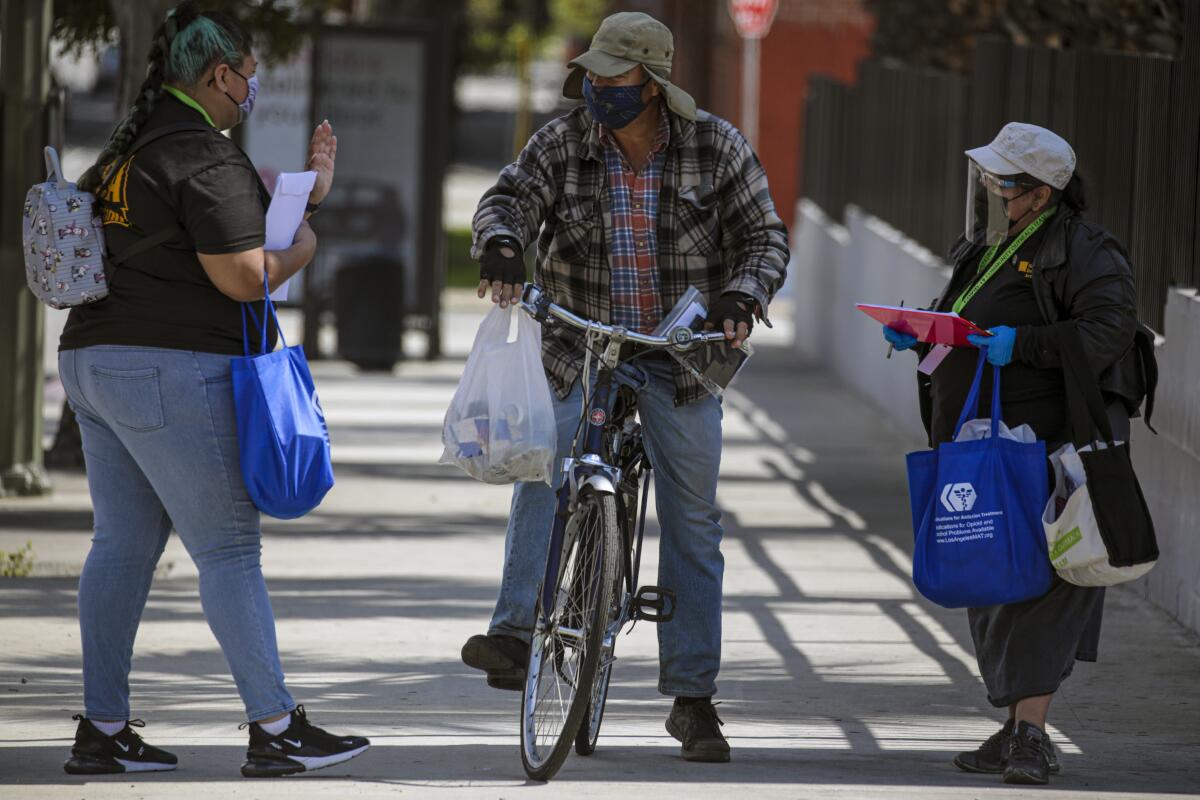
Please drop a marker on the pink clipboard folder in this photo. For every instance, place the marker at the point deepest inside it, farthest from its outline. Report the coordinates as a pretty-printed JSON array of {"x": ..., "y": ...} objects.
[{"x": 934, "y": 327}]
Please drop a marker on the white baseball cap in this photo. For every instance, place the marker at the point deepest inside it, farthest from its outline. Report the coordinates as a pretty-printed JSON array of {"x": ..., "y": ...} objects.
[{"x": 1021, "y": 147}]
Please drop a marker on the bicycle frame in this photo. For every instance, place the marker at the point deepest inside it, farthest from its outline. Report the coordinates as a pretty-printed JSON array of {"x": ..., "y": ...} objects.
[{"x": 589, "y": 466}]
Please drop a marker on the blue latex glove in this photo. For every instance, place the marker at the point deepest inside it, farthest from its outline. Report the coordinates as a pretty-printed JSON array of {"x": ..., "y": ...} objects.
[
  {"x": 899, "y": 339},
  {"x": 999, "y": 346}
]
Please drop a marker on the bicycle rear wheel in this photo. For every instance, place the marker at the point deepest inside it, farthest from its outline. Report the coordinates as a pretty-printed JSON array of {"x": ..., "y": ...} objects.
[
  {"x": 565, "y": 651},
  {"x": 589, "y": 730}
]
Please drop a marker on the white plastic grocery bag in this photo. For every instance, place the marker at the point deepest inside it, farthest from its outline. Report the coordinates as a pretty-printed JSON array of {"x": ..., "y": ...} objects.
[
  {"x": 500, "y": 425},
  {"x": 1077, "y": 549}
]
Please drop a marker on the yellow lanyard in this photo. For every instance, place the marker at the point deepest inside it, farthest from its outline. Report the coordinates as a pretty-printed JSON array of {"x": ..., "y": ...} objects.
[{"x": 993, "y": 267}]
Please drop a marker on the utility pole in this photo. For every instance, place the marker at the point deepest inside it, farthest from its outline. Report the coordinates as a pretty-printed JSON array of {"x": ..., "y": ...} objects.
[
  {"x": 24, "y": 62},
  {"x": 523, "y": 122}
]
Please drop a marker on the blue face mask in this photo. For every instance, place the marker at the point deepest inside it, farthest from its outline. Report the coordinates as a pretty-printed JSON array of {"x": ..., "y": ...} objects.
[{"x": 614, "y": 106}]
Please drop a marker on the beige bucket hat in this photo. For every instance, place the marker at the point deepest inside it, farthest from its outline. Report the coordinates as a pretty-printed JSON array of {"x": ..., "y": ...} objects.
[{"x": 624, "y": 41}]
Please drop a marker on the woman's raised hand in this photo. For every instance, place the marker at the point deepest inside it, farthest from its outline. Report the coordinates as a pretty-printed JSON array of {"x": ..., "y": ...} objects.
[{"x": 322, "y": 152}]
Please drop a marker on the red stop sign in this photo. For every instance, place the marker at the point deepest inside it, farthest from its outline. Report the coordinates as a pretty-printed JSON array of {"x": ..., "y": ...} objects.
[{"x": 753, "y": 18}]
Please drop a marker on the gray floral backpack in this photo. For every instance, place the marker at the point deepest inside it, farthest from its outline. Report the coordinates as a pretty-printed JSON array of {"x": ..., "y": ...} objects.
[
  {"x": 65, "y": 254},
  {"x": 63, "y": 241}
]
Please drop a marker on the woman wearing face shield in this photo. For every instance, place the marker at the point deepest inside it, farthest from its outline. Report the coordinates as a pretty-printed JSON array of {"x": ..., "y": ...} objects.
[
  {"x": 1027, "y": 260},
  {"x": 147, "y": 372}
]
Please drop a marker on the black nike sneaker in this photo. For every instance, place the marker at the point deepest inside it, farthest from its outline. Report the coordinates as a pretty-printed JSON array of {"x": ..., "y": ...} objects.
[
  {"x": 1027, "y": 762},
  {"x": 503, "y": 658},
  {"x": 992, "y": 756},
  {"x": 694, "y": 722},
  {"x": 303, "y": 747},
  {"x": 95, "y": 753}
]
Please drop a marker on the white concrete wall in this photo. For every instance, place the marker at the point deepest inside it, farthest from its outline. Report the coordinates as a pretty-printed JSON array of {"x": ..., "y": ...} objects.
[
  {"x": 1168, "y": 464},
  {"x": 867, "y": 261},
  {"x": 864, "y": 262}
]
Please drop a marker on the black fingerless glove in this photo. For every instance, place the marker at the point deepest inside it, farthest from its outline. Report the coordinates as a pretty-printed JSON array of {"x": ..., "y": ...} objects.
[
  {"x": 733, "y": 306},
  {"x": 494, "y": 265}
]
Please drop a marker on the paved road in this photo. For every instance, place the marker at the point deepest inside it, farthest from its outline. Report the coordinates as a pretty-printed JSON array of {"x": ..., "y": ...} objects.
[{"x": 838, "y": 680}]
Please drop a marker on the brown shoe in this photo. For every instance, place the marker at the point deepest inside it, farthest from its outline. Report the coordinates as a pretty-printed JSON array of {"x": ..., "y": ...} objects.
[{"x": 503, "y": 658}]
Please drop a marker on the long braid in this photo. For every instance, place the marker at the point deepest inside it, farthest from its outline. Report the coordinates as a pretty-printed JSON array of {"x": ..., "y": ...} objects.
[{"x": 127, "y": 131}]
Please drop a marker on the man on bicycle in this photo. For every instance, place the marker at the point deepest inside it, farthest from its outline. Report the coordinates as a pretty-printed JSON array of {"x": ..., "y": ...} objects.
[{"x": 632, "y": 198}]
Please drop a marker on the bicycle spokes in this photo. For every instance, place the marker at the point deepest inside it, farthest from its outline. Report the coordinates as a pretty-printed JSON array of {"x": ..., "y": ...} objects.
[{"x": 560, "y": 664}]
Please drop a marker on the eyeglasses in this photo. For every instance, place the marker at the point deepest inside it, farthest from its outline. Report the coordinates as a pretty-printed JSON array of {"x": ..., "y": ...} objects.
[{"x": 997, "y": 184}]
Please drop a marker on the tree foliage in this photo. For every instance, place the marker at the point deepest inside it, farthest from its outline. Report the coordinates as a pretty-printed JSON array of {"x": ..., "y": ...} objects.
[
  {"x": 942, "y": 33},
  {"x": 496, "y": 28},
  {"x": 278, "y": 26}
]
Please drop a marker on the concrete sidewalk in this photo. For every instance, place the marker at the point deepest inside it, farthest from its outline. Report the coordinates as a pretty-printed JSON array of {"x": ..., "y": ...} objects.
[{"x": 838, "y": 680}]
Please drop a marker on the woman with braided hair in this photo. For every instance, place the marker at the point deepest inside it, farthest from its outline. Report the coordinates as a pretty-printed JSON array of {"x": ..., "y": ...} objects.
[{"x": 147, "y": 372}]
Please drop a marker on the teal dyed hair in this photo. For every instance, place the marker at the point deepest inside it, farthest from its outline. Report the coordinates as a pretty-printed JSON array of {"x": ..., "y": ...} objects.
[
  {"x": 185, "y": 47},
  {"x": 213, "y": 38}
]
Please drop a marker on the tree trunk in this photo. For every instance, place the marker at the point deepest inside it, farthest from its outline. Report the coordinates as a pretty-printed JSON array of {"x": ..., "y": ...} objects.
[{"x": 137, "y": 21}]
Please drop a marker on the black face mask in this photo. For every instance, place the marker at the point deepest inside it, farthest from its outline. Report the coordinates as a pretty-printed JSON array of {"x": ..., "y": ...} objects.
[{"x": 1008, "y": 200}]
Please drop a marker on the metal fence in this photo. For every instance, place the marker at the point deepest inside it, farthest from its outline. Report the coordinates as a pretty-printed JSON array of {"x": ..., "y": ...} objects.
[{"x": 892, "y": 144}]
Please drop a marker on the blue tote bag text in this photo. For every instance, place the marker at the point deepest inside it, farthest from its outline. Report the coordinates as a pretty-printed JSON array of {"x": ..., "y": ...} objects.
[{"x": 976, "y": 511}]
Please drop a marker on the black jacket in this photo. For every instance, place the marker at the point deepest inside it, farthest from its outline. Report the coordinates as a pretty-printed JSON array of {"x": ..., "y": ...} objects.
[{"x": 1081, "y": 273}]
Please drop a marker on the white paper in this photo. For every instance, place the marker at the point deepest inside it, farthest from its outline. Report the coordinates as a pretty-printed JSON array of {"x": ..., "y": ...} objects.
[{"x": 285, "y": 214}]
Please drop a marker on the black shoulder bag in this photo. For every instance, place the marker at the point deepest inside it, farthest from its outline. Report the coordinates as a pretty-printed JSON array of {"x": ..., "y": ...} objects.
[{"x": 1117, "y": 500}]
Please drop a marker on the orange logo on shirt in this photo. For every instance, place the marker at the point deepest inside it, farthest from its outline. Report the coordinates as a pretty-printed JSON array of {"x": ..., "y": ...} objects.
[
  {"x": 115, "y": 207},
  {"x": 1025, "y": 268}
]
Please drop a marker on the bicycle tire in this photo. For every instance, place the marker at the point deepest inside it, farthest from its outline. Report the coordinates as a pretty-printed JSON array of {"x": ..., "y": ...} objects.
[
  {"x": 589, "y": 728},
  {"x": 590, "y": 550}
]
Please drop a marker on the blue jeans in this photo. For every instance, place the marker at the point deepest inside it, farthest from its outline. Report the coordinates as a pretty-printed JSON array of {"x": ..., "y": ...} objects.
[
  {"x": 684, "y": 447},
  {"x": 160, "y": 443}
]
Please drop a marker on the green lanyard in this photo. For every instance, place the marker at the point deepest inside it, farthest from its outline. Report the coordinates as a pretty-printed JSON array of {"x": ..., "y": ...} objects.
[{"x": 993, "y": 267}]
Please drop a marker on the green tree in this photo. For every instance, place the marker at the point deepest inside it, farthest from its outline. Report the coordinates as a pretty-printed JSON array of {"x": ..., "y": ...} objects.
[
  {"x": 278, "y": 27},
  {"x": 942, "y": 33},
  {"x": 499, "y": 29}
]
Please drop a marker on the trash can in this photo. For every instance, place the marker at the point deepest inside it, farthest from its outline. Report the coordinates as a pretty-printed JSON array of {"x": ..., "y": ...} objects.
[{"x": 368, "y": 302}]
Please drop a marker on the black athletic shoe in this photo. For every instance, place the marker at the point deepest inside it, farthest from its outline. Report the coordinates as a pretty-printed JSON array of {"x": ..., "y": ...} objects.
[
  {"x": 992, "y": 756},
  {"x": 1027, "y": 761},
  {"x": 97, "y": 754},
  {"x": 303, "y": 747},
  {"x": 694, "y": 722},
  {"x": 503, "y": 658}
]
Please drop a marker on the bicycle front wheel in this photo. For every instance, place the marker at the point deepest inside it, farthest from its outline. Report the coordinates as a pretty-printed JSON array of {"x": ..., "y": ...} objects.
[{"x": 565, "y": 651}]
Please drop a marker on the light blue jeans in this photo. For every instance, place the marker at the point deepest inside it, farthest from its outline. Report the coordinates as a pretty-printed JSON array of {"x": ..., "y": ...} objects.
[
  {"x": 160, "y": 444},
  {"x": 684, "y": 446}
]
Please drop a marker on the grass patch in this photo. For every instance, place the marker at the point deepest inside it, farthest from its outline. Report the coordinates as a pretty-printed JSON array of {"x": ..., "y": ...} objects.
[
  {"x": 462, "y": 271},
  {"x": 18, "y": 564}
]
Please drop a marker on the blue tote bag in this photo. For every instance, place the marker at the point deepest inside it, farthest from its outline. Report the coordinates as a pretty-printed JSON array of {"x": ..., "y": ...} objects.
[
  {"x": 282, "y": 439},
  {"x": 977, "y": 515}
]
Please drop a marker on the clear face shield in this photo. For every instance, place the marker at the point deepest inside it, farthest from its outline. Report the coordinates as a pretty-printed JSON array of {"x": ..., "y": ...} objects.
[{"x": 987, "y": 205}]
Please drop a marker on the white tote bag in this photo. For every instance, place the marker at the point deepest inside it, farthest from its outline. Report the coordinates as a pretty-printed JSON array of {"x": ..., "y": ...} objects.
[
  {"x": 1077, "y": 550},
  {"x": 500, "y": 426}
]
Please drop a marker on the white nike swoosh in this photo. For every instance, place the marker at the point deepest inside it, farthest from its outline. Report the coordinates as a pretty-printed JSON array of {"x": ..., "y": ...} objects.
[
  {"x": 124, "y": 747},
  {"x": 293, "y": 744}
]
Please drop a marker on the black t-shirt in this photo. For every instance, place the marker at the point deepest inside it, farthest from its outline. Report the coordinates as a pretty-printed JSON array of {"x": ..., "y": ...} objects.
[
  {"x": 1027, "y": 394},
  {"x": 202, "y": 182}
]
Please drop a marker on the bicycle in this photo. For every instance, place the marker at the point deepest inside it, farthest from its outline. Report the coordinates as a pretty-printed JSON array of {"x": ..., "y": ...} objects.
[{"x": 588, "y": 593}]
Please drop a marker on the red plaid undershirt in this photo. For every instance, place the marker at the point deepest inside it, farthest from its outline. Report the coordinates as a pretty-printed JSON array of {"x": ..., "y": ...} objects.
[{"x": 633, "y": 240}]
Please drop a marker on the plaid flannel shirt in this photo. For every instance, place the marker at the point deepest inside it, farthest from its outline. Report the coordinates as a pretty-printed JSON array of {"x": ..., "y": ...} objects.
[
  {"x": 717, "y": 226},
  {"x": 632, "y": 240}
]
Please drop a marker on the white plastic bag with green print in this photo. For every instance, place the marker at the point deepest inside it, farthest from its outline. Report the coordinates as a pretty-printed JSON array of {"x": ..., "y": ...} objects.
[{"x": 1077, "y": 550}]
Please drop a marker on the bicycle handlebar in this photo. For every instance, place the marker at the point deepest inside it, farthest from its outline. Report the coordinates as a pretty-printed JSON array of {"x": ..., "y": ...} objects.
[{"x": 535, "y": 303}]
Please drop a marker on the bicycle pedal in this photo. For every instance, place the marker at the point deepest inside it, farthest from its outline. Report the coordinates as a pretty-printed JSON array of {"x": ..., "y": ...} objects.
[{"x": 653, "y": 604}]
